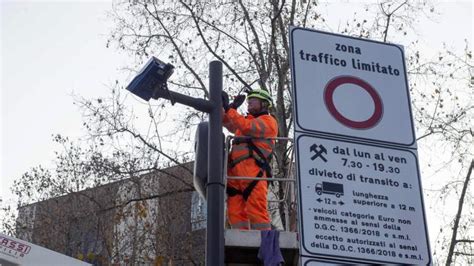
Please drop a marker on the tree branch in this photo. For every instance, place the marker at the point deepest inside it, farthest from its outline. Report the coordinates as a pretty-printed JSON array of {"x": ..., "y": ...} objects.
[
  {"x": 306, "y": 13},
  {"x": 464, "y": 241},
  {"x": 176, "y": 47},
  {"x": 261, "y": 67},
  {"x": 169, "y": 193},
  {"x": 140, "y": 137},
  {"x": 464, "y": 253},
  {"x": 458, "y": 216},
  {"x": 196, "y": 22},
  {"x": 389, "y": 16}
]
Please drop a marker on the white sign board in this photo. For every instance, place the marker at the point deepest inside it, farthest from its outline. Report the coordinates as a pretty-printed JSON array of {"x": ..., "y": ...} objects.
[
  {"x": 360, "y": 196},
  {"x": 14, "y": 251},
  {"x": 360, "y": 202},
  {"x": 350, "y": 87}
]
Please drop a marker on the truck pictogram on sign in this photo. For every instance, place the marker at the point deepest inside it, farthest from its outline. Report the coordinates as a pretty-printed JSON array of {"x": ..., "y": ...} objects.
[{"x": 330, "y": 188}]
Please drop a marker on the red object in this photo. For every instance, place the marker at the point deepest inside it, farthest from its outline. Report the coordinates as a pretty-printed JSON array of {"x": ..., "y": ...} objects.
[{"x": 253, "y": 212}]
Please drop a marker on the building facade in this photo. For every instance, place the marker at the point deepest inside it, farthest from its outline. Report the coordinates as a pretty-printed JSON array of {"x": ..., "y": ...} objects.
[{"x": 153, "y": 219}]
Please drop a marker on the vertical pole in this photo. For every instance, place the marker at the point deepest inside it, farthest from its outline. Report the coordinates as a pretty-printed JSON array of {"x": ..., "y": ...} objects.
[{"x": 215, "y": 184}]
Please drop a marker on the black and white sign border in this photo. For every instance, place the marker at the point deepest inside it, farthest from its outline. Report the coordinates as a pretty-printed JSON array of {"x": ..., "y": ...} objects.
[
  {"x": 308, "y": 253},
  {"x": 367, "y": 140}
]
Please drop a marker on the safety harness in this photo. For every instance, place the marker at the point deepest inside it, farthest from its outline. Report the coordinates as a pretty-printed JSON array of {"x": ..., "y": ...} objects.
[{"x": 261, "y": 161}]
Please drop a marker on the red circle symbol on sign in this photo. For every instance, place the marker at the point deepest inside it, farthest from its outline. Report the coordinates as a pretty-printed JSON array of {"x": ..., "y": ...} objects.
[{"x": 329, "y": 101}]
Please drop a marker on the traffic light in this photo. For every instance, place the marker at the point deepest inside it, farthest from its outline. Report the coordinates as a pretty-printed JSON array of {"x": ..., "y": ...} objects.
[{"x": 201, "y": 146}]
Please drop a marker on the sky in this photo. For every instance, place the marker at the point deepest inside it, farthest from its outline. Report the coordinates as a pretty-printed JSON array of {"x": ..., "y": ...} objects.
[{"x": 51, "y": 49}]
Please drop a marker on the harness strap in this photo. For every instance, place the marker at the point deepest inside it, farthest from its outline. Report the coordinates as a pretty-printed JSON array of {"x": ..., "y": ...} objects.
[
  {"x": 253, "y": 152},
  {"x": 260, "y": 160},
  {"x": 232, "y": 163},
  {"x": 251, "y": 186},
  {"x": 231, "y": 192}
]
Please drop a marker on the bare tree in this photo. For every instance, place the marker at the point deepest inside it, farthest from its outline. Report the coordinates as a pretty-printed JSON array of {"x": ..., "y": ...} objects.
[
  {"x": 251, "y": 40},
  {"x": 454, "y": 239}
]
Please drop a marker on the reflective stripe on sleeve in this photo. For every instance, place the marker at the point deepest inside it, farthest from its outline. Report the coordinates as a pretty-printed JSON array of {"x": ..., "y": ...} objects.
[
  {"x": 265, "y": 151},
  {"x": 262, "y": 128},
  {"x": 253, "y": 127}
]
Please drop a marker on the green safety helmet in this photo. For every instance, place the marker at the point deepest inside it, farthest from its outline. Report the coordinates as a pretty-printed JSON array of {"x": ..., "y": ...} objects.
[{"x": 262, "y": 95}]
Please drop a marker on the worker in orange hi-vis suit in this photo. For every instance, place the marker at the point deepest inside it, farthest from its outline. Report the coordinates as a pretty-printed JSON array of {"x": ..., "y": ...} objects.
[{"x": 249, "y": 157}]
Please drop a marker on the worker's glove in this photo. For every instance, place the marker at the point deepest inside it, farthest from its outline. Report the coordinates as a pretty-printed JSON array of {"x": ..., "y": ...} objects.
[
  {"x": 225, "y": 101},
  {"x": 238, "y": 100}
]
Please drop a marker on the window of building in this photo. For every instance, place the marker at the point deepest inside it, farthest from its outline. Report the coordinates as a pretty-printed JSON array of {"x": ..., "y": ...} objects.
[{"x": 198, "y": 212}]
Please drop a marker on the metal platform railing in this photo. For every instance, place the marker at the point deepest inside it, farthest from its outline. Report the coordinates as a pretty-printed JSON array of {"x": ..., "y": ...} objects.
[{"x": 287, "y": 179}]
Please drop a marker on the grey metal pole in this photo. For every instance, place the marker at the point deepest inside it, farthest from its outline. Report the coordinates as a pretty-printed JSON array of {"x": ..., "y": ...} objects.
[
  {"x": 198, "y": 104},
  {"x": 215, "y": 184}
]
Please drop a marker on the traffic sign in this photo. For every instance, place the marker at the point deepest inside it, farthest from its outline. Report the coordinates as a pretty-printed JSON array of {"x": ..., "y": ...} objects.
[
  {"x": 360, "y": 202},
  {"x": 360, "y": 197},
  {"x": 331, "y": 106},
  {"x": 350, "y": 87}
]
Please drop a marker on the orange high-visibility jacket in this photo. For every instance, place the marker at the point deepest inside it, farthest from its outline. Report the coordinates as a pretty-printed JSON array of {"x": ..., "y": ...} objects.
[{"x": 253, "y": 209}]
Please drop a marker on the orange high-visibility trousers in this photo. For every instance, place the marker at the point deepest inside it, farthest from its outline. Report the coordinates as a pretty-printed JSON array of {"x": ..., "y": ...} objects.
[{"x": 252, "y": 213}]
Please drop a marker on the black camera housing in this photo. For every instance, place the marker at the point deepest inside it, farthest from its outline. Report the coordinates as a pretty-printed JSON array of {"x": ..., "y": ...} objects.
[{"x": 153, "y": 75}]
